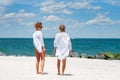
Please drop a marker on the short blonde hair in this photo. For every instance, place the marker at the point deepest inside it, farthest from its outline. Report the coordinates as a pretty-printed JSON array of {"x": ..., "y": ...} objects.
[{"x": 62, "y": 28}]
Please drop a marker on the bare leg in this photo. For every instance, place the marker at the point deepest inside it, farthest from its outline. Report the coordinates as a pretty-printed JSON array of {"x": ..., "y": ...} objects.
[
  {"x": 37, "y": 61},
  {"x": 58, "y": 66},
  {"x": 42, "y": 62},
  {"x": 63, "y": 66}
]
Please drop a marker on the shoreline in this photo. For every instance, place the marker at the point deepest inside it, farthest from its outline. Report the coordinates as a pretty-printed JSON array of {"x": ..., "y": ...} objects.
[{"x": 105, "y": 56}]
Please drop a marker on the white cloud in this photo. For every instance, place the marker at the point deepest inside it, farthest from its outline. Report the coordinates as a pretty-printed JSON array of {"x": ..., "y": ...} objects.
[
  {"x": 94, "y": 7},
  {"x": 54, "y": 7},
  {"x": 52, "y": 18},
  {"x": 27, "y": 23},
  {"x": 20, "y": 14},
  {"x": 86, "y": 5},
  {"x": 6, "y": 2},
  {"x": 47, "y": 3},
  {"x": 20, "y": 17},
  {"x": 10, "y": 15},
  {"x": 78, "y": 5},
  {"x": 65, "y": 7},
  {"x": 2, "y": 9},
  {"x": 113, "y": 2},
  {"x": 28, "y": 2},
  {"x": 102, "y": 20}
]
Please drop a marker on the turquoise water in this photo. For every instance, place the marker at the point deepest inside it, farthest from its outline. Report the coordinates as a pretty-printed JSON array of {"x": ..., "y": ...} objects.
[{"x": 24, "y": 46}]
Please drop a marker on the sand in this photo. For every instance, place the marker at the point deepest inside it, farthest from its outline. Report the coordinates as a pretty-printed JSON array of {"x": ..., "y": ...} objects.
[{"x": 23, "y": 68}]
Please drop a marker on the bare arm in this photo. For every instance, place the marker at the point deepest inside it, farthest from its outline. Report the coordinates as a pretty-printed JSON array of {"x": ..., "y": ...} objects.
[
  {"x": 42, "y": 42},
  {"x": 54, "y": 49},
  {"x": 43, "y": 48},
  {"x": 70, "y": 53},
  {"x": 55, "y": 46},
  {"x": 70, "y": 48}
]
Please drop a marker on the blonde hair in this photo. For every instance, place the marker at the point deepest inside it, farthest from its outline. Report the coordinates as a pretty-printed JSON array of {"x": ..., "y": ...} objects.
[{"x": 62, "y": 28}]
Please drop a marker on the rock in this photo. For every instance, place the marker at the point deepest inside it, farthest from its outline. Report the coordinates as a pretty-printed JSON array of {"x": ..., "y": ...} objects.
[
  {"x": 109, "y": 55},
  {"x": 46, "y": 55},
  {"x": 75, "y": 54},
  {"x": 90, "y": 57},
  {"x": 84, "y": 55},
  {"x": 100, "y": 56},
  {"x": 117, "y": 56},
  {"x": 49, "y": 55}
]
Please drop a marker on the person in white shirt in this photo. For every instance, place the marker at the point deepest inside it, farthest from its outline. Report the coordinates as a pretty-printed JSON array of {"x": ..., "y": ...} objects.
[
  {"x": 62, "y": 48},
  {"x": 39, "y": 48}
]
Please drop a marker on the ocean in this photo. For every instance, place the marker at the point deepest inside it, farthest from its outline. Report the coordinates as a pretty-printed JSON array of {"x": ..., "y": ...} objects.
[{"x": 24, "y": 46}]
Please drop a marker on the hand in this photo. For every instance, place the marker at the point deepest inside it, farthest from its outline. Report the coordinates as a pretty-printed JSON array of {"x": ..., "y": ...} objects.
[
  {"x": 43, "y": 48},
  {"x": 54, "y": 50},
  {"x": 70, "y": 53}
]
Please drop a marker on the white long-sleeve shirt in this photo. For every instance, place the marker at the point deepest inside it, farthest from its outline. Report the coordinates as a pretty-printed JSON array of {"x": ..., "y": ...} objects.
[
  {"x": 63, "y": 45},
  {"x": 38, "y": 40}
]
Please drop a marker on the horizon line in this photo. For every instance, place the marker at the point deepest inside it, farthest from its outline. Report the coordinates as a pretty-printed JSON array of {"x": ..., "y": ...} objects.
[{"x": 52, "y": 38}]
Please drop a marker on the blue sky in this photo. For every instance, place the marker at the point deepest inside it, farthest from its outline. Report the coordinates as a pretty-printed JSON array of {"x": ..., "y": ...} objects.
[{"x": 83, "y": 18}]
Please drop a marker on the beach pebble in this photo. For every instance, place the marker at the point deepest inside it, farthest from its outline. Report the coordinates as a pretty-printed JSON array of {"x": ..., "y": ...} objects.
[
  {"x": 100, "y": 56},
  {"x": 84, "y": 55},
  {"x": 75, "y": 54}
]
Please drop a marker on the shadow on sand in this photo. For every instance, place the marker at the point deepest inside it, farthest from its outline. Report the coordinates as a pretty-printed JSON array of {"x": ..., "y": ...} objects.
[
  {"x": 45, "y": 73},
  {"x": 68, "y": 74}
]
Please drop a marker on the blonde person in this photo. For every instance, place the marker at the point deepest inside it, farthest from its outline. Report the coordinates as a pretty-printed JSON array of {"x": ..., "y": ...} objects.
[
  {"x": 62, "y": 48},
  {"x": 39, "y": 48}
]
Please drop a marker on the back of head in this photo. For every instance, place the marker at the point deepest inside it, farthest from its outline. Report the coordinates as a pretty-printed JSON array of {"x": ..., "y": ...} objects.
[
  {"x": 62, "y": 28},
  {"x": 38, "y": 25}
]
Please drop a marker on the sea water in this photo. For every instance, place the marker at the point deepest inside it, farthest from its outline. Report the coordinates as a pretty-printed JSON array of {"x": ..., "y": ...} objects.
[{"x": 24, "y": 46}]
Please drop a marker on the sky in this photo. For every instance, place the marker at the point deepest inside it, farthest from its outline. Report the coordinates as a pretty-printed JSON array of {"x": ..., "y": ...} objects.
[{"x": 82, "y": 18}]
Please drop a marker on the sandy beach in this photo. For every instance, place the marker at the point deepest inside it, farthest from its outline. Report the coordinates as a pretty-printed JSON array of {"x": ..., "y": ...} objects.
[{"x": 23, "y": 68}]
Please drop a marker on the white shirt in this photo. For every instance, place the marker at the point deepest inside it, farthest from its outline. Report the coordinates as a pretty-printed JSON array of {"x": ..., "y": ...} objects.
[
  {"x": 63, "y": 44},
  {"x": 38, "y": 40}
]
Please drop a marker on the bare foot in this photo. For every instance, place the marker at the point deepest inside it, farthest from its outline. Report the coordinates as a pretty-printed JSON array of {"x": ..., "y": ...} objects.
[
  {"x": 42, "y": 73},
  {"x": 38, "y": 73},
  {"x": 62, "y": 74},
  {"x": 58, "y": 73}
]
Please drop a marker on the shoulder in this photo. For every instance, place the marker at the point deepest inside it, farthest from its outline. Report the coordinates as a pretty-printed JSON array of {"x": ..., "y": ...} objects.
[
  {"x": 38, "y": 32},
  {"x": 66, "y": 34},
  {"x": 57, "y": 34},
  {"x": 34, "y": 33}
]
